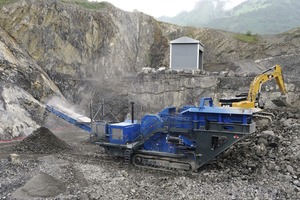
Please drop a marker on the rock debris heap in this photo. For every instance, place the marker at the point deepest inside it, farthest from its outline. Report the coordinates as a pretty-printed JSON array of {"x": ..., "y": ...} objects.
[
  {"x": 41, "y": 185},
  {"x": 42, "y": 141}
]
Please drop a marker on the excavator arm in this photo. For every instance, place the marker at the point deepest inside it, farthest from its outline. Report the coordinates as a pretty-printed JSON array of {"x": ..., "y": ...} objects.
[
  {"x": 272, "y": 73},
  {"x": 252, "y": 99}
]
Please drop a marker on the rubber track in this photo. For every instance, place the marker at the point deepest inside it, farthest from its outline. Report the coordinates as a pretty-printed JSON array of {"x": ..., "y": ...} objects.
[{"x": 165, "y": 159}]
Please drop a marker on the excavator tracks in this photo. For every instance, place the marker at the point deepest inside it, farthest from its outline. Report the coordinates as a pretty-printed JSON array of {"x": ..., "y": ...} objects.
[
  {"x": 263, "y": 118},
  {"x": 162, "y": 163}
]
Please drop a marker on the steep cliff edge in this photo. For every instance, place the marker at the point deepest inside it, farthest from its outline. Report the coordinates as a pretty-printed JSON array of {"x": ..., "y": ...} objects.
[
  {"x": 23, "y": 84},
  {"x": 50, "y": 46},
  {"x": 70, "y": 40}
]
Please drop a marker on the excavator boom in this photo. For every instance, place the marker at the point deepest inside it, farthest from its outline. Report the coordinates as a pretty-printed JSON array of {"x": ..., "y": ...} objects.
[{"x": 272, "y": 73}]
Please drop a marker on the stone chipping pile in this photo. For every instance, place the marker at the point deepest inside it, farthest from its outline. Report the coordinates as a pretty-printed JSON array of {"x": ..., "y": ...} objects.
[
  {"x": 41, "y": 185},
  {"x": 42, "y": 141}
]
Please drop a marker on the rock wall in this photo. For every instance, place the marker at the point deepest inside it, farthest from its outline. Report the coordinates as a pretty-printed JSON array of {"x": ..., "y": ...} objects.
[
  {"x": 17, "y": 67},
  {"x": 156, "y": 90},
  {"x": 20, "y": 113},
  {"x": 67, "y": 40},
  {"x": 51, "y": 48},
  {"x": 23, "y": 85}
]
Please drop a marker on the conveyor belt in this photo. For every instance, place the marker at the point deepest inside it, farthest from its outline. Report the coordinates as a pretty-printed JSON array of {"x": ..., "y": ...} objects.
[{"x": 71, "y": 117}]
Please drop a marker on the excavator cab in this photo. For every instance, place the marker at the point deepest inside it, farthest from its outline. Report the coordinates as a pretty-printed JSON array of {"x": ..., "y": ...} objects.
[{"x": 227, "y": 102}]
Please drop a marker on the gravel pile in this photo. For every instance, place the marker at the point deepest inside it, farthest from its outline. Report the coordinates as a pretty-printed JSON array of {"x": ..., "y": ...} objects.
[
  {"x": 42, "y": 141},
  {"x": 40, "y": 186}
]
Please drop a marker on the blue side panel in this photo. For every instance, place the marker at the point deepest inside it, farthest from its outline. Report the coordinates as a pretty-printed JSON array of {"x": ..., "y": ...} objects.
[
  {"x": 158, "y": 143},
  {"x": 182, "y": 122},
  {"x": 151, "y": 123},
  {"x": 69, "y": 119},
  {"x": 218, "y": 114},
  {"x": 123, "y": 133}
]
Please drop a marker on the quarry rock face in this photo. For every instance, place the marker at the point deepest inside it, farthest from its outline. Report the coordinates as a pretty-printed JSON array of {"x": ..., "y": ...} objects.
[
  {"x": 18, "y": 68},
  {"x": 156, "y": 91},
  {"x": 23, "y": 85},
  {"x": 67, "y": 40},
  {"x": 20, "y": 113},
  {"x": 53, "y": 48},
  {"x": 75, "y": 45}
]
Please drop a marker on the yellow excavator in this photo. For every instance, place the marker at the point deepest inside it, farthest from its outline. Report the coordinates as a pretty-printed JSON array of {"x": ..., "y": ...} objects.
[{"x": 252, "y": 98}]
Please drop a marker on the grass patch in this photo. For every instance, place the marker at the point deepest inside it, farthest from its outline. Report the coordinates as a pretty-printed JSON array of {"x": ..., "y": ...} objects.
[
  {"x": 6, "y": 2},
  {"x": 86, "y": 4},
  {"x": 246, "y": 38}
]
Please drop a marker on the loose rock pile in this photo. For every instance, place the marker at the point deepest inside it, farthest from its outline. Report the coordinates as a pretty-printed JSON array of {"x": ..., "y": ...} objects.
[
  {"x": 42, "y": 141},
  {"x": 41, "y": 186}
]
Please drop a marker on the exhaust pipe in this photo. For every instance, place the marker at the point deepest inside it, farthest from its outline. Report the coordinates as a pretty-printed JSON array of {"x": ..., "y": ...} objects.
[{"x": 132, "y": 112}]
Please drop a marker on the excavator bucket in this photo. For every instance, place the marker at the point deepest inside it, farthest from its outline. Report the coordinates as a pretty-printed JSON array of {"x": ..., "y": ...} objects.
[{"x": 281, "y": 102}]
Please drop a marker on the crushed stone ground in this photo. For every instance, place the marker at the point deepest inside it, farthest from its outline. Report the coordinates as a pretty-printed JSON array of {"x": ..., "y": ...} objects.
[{"x": 263, "y": 166}]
